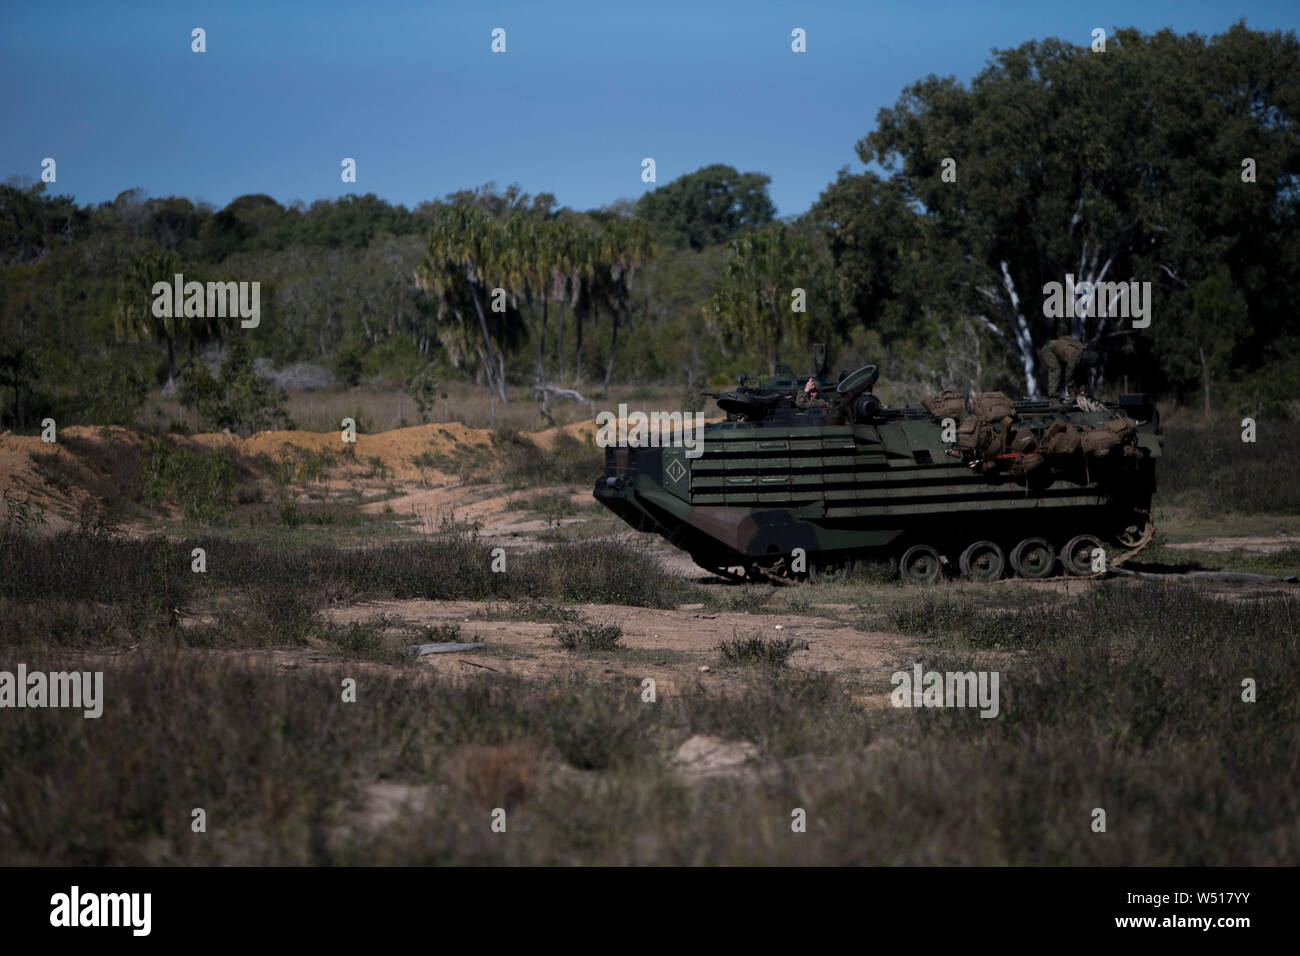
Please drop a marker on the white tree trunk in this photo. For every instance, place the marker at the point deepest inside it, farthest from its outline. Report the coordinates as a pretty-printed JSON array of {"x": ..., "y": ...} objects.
[{"x": 1020, "y": 332}]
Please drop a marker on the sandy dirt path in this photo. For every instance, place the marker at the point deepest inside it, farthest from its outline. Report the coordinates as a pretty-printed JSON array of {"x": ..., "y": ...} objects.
[{"x": 671, "y": 646}]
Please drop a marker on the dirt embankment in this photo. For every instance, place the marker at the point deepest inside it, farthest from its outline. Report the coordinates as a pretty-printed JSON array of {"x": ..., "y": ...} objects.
[{"x": 399, "y": 452}]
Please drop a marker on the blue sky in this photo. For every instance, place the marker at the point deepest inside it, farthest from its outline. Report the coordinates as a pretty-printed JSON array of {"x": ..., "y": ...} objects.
[{"x": 413, "y": 92}]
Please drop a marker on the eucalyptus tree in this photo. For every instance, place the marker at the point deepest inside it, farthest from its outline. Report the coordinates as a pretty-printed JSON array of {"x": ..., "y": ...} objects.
[
  {"x": 1152, "y": 161},
  {"x": 707, "y": 207}
]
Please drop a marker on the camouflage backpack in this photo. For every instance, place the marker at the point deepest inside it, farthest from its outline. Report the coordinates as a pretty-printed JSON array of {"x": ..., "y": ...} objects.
[
  {"x": 968, "y": 435},
  {"x": 947, "y": 404},
  {"x": 992, "y": 406},
  {"x": 1061, "y": 438}
]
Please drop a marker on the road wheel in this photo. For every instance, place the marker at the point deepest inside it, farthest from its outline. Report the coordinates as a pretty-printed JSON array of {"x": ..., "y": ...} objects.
[
  {"x": 1137, "y": 533},
  {"x": 920, "y": 564},
  {"x": 829, "y": 572},
  {"x": 1033, "y": 558},
  {"x": 982, "y": 561},
  {"x": 1077, "y": 555}
]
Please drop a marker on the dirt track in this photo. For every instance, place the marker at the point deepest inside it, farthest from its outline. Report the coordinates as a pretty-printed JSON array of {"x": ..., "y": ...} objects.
[
  {"x": 1260, "y": 544},
  {"x": 670, "y": 646}
]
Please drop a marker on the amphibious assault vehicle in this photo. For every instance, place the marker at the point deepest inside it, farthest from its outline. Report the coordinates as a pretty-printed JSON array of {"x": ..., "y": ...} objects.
[{"x": 803, "y": 481}]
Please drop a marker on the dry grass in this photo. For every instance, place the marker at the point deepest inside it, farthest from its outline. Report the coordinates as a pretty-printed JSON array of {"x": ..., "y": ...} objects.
[
  {"x": 1207, "y": 469},
  {"x": 1153, "y": 730},
  {"x": 1129, "y": 701},
  {"x": 1128, "y": 698},
  {"x": 384, "y": 407},
  {"x": 502, "y": 776}
]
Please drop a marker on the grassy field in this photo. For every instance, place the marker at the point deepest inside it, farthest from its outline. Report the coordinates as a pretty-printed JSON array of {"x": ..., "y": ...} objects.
[
  {"x": 225, "y": 690},
  {"x": 1127, "y": 698}
]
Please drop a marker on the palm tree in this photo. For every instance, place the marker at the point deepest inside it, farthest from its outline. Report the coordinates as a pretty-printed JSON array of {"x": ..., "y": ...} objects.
[
  {"x": 587, "y": 291},
  {"x": 133, "y": 314},
  {"x": 625, "y": 248},
  {"x": 546, "y": 246},
  {"x": 465, "y": 260},
  {"x": 566, "y": 280},
  {"x": 528, "y": 249}
]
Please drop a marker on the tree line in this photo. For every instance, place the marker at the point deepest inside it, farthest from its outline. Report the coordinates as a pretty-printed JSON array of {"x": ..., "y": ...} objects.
[{"x": 1166, "y": 159}]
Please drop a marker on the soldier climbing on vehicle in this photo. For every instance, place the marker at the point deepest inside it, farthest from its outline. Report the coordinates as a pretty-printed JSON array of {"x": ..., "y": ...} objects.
[{"x": 1069, "y": 364}]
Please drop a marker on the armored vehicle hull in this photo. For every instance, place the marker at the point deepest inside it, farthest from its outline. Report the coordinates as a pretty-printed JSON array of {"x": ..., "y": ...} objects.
[{"x": 809, "y": 491}]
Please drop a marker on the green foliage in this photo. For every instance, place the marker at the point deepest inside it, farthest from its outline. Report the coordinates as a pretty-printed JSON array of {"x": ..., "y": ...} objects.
[
  {"x": 877, "y": 242},
  {"x": 291, "y": 515},
  {"x": 674, "y": 343},
  {"x": 1271, "y": 392},
  {"x": 32, "y": 223},
  {"x": 1029, "y": 626},
  {"x": 1214, "y": 324},
  {"x": 1162, "y": 613},
  {"x": 237, "y": 398},
  {"x": 348, "y": 366},
  {"x": 1067, "y": 162},
  {"x": 200, "y": 483},
  {"x": 464, "y": 262},
  {"x": 301, "y": 464},
  {"x": 552, "y": 506},
  {"x": 135, "y": 317},
  {"x": 114, "y": 391},
  {"x": 97, "y": 521},
  {"x": 753, "y": 302},
  {"x": 1070, "y": 162},
  {"x": 1133, "y": 689},
  {"x": 423, "y": 389},
  {"x": 21, "y": 403},
  {"x": 707, "y": 207},
  {"x": 496, "y": 278},
  {"x": 133, "y": 312},
  {"x": 364, "y": 640}
]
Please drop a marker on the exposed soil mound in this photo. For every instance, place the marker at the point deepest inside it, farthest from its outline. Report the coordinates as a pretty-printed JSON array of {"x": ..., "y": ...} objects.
[{"x": 58, "y": 484}]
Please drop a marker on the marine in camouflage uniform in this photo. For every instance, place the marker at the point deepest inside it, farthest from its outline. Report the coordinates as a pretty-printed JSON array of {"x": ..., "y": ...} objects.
[
  {"x": 809, "y": 396},
  {"x": 1068, "y": 362}
]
